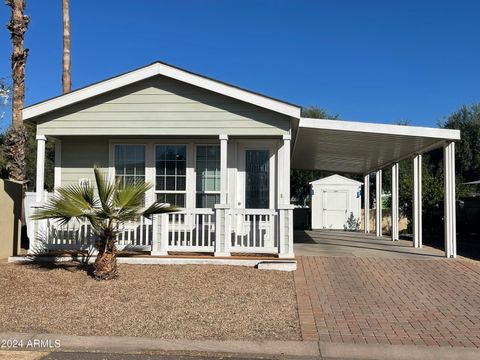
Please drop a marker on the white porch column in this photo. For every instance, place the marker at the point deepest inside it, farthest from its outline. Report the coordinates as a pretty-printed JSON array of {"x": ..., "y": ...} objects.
[
  {"x": 222, "y": 213},
  {"x": 395, "y": 217},
  {"x": 285, "y": 209},
  {"x": 40, "y": 183},
  {"x": 378, "y": 200},
  {"x": 417, "y": 201},
  {"x": 449, "y": 202},
  {"x": 366, "y": 203},
  {"x": 223, "y": 169},
  {"x": 37, "y": 231}
]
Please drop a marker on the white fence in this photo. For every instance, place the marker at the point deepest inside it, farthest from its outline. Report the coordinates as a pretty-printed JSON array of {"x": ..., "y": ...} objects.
[
  {"x": 253, "y": 230},
  {"x": 136, "y": 235},
  {"x": 189, "y": 230}
]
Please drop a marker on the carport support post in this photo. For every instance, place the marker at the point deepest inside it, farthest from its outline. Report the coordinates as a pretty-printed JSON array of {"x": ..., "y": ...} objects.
[
  {"x": 395, "y": 217},
  {"x": 449, "y": 202},
  {"x": 417, "y": 201},
  {"x": 366, "y": 202},
  {"x": 378, "y": 200}
]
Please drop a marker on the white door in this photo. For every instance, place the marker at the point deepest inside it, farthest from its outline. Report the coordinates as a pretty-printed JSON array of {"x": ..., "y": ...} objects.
[{"x": 335, "y": 205}]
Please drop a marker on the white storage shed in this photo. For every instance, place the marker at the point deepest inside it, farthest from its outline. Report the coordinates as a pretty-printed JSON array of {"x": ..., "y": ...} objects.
[{"x": 334, "y": 198}]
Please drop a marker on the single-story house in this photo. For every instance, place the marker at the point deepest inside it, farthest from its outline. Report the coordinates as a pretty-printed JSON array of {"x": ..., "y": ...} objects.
[{"x": 221, "y": 153}]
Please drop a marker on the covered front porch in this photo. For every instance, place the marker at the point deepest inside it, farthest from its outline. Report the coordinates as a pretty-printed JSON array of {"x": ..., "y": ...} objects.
[{"x": 232, "y": 194}]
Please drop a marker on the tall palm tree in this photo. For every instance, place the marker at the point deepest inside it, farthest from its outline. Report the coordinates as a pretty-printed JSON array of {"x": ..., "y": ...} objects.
[
  {"x": 115, "y": 205},
  {"x": 16, "y": 136},
  {"x": 66, "y": 79}
]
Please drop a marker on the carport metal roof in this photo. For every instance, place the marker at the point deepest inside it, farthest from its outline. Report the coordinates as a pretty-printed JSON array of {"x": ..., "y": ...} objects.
[{"x": 358, "y": 147}]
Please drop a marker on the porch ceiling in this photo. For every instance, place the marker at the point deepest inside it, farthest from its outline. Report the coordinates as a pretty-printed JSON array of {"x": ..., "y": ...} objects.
[{"x": 355, "y": 147}]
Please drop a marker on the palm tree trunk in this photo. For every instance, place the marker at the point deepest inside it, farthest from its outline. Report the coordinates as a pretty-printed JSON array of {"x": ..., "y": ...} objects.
[
  {"x": 105, "y": 266},
  {"x": 16, "y": 137},
  {"x": 66, "y": 79}
]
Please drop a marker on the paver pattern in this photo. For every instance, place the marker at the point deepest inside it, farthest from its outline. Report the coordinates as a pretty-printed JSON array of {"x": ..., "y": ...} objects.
[{"x": 389, "y": 301}]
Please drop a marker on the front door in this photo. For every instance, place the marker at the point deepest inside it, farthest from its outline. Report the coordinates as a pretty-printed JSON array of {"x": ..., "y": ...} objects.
[{"x": 255, "y": 181}]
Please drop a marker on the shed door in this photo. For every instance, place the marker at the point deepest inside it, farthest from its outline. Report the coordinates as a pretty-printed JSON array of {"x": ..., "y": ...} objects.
[{"x": 335, "y": 205}]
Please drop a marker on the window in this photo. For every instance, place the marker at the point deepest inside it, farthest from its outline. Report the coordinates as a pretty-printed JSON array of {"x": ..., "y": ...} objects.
[
  {"x": 257, "y": 190},
  {"x": 130, "y": 163},
  {"x": 207, "y": 168},
  {"x": 171, "y": 175}
]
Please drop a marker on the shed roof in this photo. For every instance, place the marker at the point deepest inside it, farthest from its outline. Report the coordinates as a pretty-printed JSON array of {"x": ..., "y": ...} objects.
[{"x": 336, "y": 180}]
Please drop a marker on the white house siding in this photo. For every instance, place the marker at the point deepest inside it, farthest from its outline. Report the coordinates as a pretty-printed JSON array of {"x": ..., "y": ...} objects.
[{"x": 163, "y": 106}]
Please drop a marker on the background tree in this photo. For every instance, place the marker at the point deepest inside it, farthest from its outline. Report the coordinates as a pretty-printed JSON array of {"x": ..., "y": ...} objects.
[
  {"x": 66, "y": 79},
  {"x": 4, "y": 99},
  {"x": 15, "y": 139},
  {"x": 467, "y": 151}
]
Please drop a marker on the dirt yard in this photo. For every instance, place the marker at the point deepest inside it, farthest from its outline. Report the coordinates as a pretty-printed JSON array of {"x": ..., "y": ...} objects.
[{"x": 191, "y": 302}]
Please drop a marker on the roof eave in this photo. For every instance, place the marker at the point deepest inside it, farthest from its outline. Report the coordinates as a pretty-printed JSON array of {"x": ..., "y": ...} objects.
[
  {"x": 376, "y": 128},
  {"x": 163, "y": 69}
]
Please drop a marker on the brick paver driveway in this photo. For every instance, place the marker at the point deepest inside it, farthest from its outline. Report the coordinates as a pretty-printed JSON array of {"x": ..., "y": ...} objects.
[{"x": 389, "y": 301}]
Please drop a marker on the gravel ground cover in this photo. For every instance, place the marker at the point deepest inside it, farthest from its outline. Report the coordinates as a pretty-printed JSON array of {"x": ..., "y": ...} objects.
[{"x": 184, "y": 301}]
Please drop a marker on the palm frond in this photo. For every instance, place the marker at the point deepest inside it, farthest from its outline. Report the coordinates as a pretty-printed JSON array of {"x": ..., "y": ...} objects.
[
  {"x": 132, "y": 194},
  {"x": 158, "y": 208},
  {"x": 73, "y": 201},
  {"x": 105, "y": 188}
]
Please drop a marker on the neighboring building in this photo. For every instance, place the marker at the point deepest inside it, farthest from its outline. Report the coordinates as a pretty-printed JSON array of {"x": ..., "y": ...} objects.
[
  {"x": 221, "y": 153},
  {"x": 335, "y": 199}
]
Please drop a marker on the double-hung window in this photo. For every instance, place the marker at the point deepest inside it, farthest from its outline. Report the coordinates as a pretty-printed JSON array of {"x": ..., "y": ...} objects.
[
  {"x": 171, "y": 174},
  {"x": 207, "y": 168},
  {"x": 130, "y": 163}
]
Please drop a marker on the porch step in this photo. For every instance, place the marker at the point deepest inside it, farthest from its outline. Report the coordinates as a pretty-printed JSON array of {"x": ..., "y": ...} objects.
[{"x": 279, "y": 265}]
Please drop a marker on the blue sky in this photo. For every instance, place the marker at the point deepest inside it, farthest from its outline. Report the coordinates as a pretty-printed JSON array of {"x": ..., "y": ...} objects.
[{"x": 378, "y": 61}]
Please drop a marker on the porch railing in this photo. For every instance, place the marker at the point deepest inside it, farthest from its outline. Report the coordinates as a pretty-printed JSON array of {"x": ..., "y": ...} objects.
[
  {"x": 220, "y": 231},
  {"x": 190, "y": 230},
  {"x": 253, "y": 230},
  {"x": 135, "y": 235}
]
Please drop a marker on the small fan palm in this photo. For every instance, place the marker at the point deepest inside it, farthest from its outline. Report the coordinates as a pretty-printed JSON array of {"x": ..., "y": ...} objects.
[{"x": 115, "y": 205}]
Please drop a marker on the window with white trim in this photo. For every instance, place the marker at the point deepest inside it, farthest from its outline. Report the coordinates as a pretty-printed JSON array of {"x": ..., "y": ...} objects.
[
  {"x": 129, "y": 163},
  {"x": 171, "y": 174},
  {"x": 207, "y": 169}
]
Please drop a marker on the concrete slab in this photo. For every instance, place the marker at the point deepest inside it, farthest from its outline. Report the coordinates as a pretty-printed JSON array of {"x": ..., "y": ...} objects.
[
  {"x": 342, "y": 243},
  {"x": 251, "y": 349},
  {"x": 280, "y": 264},
  {"x": 125, "y": 344}
]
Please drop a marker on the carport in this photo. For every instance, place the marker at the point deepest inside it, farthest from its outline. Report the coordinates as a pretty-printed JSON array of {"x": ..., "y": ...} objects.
[{"x": 365, "y": 148}]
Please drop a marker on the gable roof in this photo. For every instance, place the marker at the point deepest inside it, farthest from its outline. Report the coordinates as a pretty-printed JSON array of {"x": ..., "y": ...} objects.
[
  {"x": 160, "y": 68},
  {"x": 336, "y": 180}
]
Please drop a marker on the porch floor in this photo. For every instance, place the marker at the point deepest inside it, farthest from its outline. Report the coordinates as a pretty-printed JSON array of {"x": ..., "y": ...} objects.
[{"x": 358, "y": 244}]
